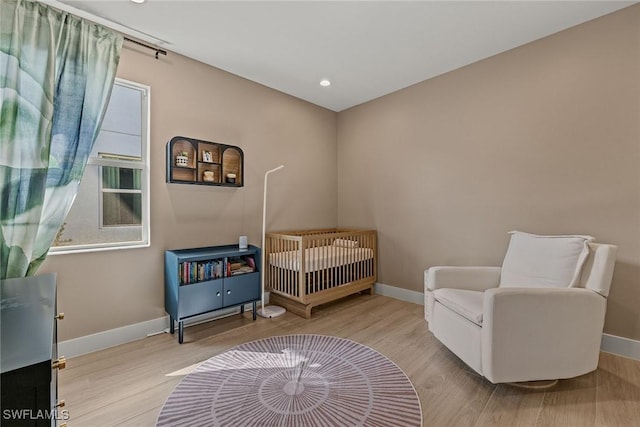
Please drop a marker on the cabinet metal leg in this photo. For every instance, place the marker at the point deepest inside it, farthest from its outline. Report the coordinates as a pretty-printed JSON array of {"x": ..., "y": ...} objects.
[
  {"x": 172, "y": 326},
  {"x": 180, "y": 331},
  {"x": 242, "y": 309},
  {"x": 255, "y": 311}
]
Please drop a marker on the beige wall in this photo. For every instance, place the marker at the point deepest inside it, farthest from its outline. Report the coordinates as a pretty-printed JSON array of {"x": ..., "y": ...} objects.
[
  {"x": 544, "y": 138},
  {"x": 106, "y": 290}
]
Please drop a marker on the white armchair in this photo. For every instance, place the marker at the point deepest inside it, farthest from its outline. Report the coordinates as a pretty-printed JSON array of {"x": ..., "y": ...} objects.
[{"x": 538, "y": 317}]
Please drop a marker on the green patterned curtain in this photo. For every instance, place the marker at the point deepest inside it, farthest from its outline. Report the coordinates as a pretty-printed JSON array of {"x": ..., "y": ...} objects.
[{"x": 56, "y": 75}]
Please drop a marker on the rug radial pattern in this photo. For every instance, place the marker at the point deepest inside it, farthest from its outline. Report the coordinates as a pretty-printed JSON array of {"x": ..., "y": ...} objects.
[{"x": 294, "y": 380}]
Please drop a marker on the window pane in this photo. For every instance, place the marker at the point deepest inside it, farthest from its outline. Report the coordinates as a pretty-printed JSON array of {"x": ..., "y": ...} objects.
[
  {"x": 121, "y": 209},
  {"x": 121, "y": 178},
  {"x": 82, "y": 225},
  {"x": 122, "y": 125}
]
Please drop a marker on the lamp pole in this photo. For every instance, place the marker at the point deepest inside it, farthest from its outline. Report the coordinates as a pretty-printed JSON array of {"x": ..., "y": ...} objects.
[{"x": 272, "y": 310}]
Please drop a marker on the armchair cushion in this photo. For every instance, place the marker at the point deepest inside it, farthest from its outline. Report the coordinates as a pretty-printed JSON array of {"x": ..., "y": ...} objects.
[
  {"x": 543, "y": 261},
  {"x": 467, "y": 304}
]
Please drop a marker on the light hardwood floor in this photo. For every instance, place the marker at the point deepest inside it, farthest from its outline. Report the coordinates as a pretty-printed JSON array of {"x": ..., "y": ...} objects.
[{"x": 127, "y": 385}]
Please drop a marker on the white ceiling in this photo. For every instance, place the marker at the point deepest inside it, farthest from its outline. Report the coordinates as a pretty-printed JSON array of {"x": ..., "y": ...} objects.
[{"x": 366, "y": 48}]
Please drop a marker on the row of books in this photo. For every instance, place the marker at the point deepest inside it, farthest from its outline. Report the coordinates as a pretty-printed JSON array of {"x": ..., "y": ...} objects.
[{"x": 200, "y": 271}]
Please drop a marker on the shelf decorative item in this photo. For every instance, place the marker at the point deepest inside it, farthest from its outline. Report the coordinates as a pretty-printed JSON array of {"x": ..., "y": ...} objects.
[{"x": 182, "y": 159}]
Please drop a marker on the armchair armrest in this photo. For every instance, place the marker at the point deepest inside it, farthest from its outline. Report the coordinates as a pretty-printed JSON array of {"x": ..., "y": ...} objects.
[
  {"x": 469, "y": 278},
  {"x": 549, "y": 333}
]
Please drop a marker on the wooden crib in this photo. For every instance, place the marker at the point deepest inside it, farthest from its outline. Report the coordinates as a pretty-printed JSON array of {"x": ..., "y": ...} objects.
[{"x": 304, "y": 269}]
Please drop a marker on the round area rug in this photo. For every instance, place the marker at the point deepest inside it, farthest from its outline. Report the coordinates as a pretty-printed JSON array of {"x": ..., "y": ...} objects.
[{"x": 294, "y": 380}]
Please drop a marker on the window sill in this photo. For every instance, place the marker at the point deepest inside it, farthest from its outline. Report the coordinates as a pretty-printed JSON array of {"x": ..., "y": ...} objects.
[{"x": 62, "y": 250}]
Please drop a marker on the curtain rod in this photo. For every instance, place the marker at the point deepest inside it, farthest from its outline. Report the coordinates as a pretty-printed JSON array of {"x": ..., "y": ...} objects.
[{"x": 148, "y": 46}]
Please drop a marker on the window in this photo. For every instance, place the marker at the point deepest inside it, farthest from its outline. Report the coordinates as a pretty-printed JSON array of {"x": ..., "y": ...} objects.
[{"x": 111, "y": 210}]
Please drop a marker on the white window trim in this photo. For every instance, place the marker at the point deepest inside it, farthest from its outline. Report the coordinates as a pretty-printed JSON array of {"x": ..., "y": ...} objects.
[{"x": 145, "y": 242}]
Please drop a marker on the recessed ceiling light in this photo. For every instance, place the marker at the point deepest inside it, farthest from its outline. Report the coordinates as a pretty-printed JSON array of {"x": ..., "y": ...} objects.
[
  {"x": 138, "y": 1},
  {"x": 325, "y": 82}
]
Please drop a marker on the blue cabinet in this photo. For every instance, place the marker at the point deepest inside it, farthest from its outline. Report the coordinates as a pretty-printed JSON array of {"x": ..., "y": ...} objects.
[{"x": 202, "y": 280}]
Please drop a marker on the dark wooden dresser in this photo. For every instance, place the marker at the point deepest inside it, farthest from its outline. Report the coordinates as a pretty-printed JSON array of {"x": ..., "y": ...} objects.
[{"x": 28, "y": 353}]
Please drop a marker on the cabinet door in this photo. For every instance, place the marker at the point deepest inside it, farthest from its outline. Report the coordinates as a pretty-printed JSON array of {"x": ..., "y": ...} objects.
[
  {"x": 199, "y": 298},
  {"x": 242, "y": 288}
]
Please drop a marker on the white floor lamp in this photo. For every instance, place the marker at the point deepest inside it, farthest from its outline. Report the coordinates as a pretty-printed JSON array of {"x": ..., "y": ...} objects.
[{"x": 271, "y": 310}]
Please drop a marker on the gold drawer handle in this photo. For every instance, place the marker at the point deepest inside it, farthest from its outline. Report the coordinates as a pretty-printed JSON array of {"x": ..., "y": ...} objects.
[
  {"x": 59, "y": 363},
  {"x": 60, "y": 316},
  {"x": 61, "y": 403}
]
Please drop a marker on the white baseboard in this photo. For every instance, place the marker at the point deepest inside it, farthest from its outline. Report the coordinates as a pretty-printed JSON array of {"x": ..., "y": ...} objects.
[
  {"x": 102, "y": 340},
  {"x": 399, "y": 293},
  {"x": 82, "y": 345},
  {"x": 610, "y": 343},
  {"x": 621, "y": 346}
]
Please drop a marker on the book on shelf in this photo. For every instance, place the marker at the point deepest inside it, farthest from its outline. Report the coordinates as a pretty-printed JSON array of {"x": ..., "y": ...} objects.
[
  {"x": 241, "y": 265},
  {"x": 242, "y": 270},
  {"x": 200, "y": 271},
  {"x": 250, "y": 262}
]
